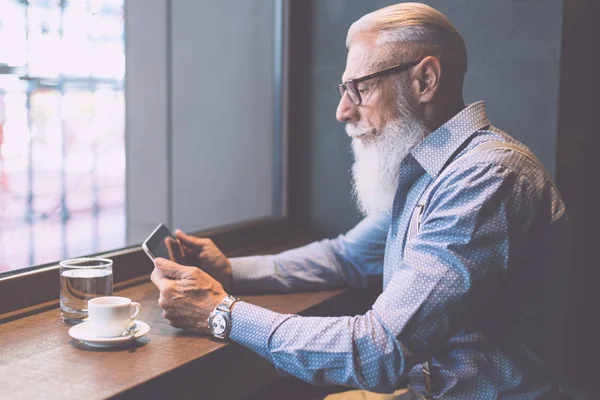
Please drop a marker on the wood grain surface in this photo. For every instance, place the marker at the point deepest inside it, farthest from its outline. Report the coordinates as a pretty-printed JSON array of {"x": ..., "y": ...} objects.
[{"x": 38, "y": 359}]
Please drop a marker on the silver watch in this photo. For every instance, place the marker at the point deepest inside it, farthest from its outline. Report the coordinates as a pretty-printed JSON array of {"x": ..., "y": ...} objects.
[{"x": 219, "y": 321}]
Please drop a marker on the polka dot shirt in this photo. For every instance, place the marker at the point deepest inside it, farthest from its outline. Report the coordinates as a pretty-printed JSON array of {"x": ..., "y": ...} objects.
[{"x": 477, "y": 291}]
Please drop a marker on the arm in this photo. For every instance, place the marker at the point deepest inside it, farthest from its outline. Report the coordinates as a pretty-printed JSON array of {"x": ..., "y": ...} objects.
[
  {"x": 452, "y": 267},
  {"x": 349, "y": 259}
]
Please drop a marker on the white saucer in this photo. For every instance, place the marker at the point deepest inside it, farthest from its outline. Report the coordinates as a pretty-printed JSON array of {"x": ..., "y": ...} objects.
[{"x": 84, "y": 333}]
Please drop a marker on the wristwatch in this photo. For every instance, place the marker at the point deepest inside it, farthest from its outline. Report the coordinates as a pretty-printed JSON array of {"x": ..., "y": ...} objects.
[{"x": 219, "y": 321}]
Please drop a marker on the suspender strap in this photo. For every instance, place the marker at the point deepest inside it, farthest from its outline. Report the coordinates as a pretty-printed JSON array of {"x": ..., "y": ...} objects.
[
  {"x": 513, "y": 147},
  {"x": 415, "y": 221}
]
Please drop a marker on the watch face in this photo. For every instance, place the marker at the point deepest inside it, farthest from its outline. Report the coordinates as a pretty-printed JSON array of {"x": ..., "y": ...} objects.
[{"x": 218, "y": 324}]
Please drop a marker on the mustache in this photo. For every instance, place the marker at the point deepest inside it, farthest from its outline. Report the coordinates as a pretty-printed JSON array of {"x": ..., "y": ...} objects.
[{"x": 355, "y": 132}]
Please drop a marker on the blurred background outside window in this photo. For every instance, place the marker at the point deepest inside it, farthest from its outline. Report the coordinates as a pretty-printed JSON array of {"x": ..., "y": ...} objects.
[{"x": 62, "y": 121}]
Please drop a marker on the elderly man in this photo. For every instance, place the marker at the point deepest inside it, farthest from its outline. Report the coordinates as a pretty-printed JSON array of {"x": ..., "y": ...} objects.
[{"x": 461, "y": 220}]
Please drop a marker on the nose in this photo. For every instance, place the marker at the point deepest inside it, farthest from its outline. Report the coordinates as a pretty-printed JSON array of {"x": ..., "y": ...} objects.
[{"x": 346, "y": 111}]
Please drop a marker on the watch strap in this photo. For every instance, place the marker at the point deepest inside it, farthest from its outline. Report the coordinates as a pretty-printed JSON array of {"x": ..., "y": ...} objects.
[{"x": 227, "y": 302}]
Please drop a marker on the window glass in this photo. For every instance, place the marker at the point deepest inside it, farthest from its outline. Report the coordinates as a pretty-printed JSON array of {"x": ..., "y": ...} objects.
[
  {"x": 203, "y": 146},
  {"x": 62, "y": 119}
]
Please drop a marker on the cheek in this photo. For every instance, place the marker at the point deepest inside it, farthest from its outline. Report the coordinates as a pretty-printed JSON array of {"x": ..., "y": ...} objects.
[
  {"x": 376, "y": 117},
  {"x": 388, "y": 106},
  {"x": 381, "y": 110}
]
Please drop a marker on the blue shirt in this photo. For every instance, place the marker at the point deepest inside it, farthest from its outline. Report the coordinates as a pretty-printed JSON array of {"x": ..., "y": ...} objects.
[{"x": 478, "y": 290}]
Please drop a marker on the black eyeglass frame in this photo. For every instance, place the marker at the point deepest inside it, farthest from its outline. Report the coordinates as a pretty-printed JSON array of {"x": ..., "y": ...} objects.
[{"x": 351, "y": 86}]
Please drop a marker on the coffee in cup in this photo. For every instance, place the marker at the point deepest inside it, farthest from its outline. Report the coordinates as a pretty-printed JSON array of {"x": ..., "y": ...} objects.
[{"x": 110, "y": 316}]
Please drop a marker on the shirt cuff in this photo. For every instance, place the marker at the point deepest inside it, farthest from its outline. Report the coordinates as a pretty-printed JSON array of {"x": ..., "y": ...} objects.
[
  {"x": 251, "y": 327},
  {"x": 251, "y": 274}
]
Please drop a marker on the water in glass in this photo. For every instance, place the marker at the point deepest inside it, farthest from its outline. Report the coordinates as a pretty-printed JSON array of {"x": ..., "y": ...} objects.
[{"x": 80, "y": 280}]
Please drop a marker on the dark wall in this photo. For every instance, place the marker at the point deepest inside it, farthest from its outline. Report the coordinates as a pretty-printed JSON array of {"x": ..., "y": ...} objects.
[
  {"x": 514, "y": 54},
  {"x": 578, "y": 170}
]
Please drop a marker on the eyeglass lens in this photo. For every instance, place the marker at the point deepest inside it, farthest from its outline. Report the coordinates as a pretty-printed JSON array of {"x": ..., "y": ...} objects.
[{"x": 347, "y": 87}]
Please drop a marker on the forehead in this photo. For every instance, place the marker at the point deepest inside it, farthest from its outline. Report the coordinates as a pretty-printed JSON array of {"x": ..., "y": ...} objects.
[{"x": 365, "y": 56}]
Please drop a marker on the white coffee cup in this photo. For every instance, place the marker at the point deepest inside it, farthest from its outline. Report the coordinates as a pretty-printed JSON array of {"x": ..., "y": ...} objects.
[{"x": 111, "y": 315}]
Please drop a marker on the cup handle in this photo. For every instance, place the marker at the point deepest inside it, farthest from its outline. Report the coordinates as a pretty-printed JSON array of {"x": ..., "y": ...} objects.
[{"x": 138, "y": 310}]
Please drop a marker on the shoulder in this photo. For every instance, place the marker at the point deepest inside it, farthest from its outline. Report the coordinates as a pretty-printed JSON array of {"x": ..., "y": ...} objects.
[
  {"x": 486, "y": 173},
  {"x": 508, "y": 156}
]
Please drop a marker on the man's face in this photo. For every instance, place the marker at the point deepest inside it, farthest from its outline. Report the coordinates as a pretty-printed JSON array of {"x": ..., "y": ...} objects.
[
  {"x": 379, "y": 105},
  {"x": 384, "y": 128}
]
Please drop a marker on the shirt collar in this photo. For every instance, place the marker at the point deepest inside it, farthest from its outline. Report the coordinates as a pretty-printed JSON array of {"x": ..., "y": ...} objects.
[{"x": 437, "y": 148}]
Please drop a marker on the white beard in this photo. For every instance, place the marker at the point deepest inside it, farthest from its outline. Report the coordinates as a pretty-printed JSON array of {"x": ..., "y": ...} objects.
[{"x": 376, "y": 168}]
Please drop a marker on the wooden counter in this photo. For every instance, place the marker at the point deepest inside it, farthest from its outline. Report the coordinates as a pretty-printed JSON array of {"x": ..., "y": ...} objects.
[{"x": 38, "y": 359}]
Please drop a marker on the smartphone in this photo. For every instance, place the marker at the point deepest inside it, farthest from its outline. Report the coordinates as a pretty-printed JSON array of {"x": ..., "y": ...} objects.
[{"x": 162, "y": 243}]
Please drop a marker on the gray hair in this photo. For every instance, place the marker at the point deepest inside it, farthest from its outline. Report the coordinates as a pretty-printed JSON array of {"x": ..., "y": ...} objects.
[{"x": 423, "y": 27}]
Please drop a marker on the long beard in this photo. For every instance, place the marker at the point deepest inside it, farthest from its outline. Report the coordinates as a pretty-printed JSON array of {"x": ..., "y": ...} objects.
[{"x": 376, "y": 168}]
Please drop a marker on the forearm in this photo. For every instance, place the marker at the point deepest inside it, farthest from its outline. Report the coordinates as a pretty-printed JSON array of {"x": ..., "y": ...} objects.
[
  {"x": 350, "y": 351},
  {"x": 351, "y": 259},
  {"x": 314, "y": 266}
]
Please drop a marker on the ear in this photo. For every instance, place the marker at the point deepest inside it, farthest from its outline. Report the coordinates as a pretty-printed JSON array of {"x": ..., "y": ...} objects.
[{"x": 428, "y": 74}]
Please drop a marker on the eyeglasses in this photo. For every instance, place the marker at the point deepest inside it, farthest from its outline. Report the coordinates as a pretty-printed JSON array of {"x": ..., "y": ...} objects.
[{"x": 351, "y": 86}]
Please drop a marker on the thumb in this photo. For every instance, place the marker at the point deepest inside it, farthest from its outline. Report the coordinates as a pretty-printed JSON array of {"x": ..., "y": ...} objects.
[{"x": 171, "y": 269}]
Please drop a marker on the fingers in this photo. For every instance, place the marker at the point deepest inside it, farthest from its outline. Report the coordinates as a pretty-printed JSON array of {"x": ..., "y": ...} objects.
[
  {"x": 164, "y": 284},
  {"x": 192, "y": 241},
  {"x": 175, "y": 249},
  {"x": 183, "y": 250},
  {"x": 187, "y": 294},
  {"x": 169, "y": 243},
  {"x": 172, "y": 270},
  {"x": 165, "y": 305},
  {"x": 180, "y": 310},
  {"x": 179, "y": 234},
  {"x": 156, "y": 278},
  {"x": 188, "y": 324}
]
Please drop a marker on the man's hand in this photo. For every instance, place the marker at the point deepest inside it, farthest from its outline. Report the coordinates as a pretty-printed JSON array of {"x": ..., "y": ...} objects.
[
  {"x": 187, "y": 295},
  {"x": 204, "y": 254}
]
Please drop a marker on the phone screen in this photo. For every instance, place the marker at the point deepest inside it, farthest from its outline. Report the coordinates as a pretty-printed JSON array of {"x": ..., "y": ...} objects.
[{"x": 162, "y": 243}]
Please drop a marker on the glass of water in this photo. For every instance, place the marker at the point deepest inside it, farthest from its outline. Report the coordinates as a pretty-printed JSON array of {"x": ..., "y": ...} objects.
[{"x": 82, "y": 279}]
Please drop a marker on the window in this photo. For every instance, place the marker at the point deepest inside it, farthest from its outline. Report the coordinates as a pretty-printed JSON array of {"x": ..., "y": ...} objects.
[
  {"x": 200, "y": 144},
  {"x": 62, "y": 119}
]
